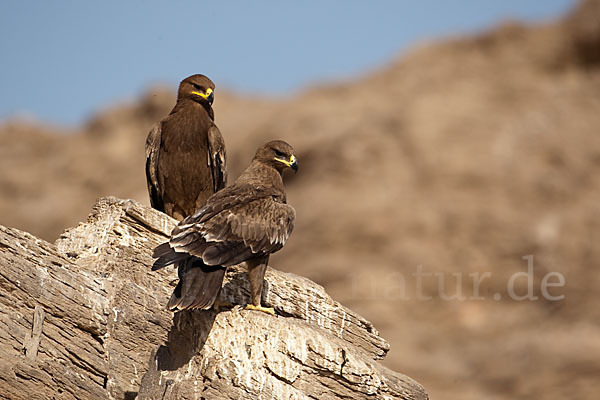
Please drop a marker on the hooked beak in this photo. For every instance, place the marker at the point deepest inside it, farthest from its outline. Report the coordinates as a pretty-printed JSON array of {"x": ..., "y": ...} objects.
[
  {"x": 294, "y": 164},
  {"x": 208, "y": 96}
]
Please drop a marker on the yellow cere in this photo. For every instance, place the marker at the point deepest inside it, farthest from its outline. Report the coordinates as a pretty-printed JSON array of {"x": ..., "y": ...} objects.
[
  {"x": 204, "y": 95},
  {"x": 286, "y": 162}
]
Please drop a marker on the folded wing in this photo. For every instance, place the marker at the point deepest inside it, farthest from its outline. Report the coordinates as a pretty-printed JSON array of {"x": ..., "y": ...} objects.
[{"x": 231, "y": 234}]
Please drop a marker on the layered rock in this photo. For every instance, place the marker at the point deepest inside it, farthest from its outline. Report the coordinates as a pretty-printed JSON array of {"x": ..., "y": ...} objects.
[{"x": 84, "y": 318}]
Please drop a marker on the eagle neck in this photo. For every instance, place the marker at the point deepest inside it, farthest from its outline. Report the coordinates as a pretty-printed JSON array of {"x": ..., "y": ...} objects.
[
  {"x": 192, "y": 107},
  {"x": 261, "y": 174}
]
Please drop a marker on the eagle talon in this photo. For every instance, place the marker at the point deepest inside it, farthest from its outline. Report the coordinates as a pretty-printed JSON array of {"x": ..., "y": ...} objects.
[{"x": 268, "y": 310}]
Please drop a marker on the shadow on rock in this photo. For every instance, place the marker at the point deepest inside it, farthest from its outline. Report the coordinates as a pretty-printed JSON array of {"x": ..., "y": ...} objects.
[{"x": 186, "y": 338}]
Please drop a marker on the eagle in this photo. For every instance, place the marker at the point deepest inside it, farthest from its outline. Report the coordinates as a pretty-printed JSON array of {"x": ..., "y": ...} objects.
[
  {"x": 185, "y": 152},
  {"x": 245, "y": 222}
]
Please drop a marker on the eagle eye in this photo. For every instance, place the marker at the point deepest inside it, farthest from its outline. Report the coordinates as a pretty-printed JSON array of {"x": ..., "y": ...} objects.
[{"x": 279, "y": 153}]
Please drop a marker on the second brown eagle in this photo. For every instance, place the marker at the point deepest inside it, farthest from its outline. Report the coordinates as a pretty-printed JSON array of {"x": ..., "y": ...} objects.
[{"x": 245, "y": 222}]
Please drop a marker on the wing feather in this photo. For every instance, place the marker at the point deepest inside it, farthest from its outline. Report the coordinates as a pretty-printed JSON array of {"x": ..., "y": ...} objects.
[
  {"x": 255, "y": 228},
  {"x": 217, "y": 158},
  {"x": 152, "y": 153}
]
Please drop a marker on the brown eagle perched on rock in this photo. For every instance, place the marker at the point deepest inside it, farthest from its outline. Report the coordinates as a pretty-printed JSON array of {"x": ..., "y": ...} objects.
[
  {"x": 245, "y": 222},
  {"x": 185, "y": 152}
]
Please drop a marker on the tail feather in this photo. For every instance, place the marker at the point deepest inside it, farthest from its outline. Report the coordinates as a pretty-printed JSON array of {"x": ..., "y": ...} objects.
[
  {"x": 198, "y": 287},
  {"x": 166, "y": 256},
  {"x": 161, "y": 250}
]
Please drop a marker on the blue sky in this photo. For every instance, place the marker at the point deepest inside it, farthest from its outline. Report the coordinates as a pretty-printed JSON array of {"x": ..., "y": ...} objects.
[{"x": 64, "y": 60}]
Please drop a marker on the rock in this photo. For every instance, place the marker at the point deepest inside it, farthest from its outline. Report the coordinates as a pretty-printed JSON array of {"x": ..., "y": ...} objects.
[
  {"x": 84, "y": 318},
  {"x": 53, "y": 323}
]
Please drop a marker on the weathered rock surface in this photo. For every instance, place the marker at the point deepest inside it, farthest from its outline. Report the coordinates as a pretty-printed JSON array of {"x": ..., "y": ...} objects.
[{"x": 84, "y": 318}]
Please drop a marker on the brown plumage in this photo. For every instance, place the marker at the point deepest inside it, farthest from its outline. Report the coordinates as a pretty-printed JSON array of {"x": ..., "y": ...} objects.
[
  {"x": 185, "y": 152},
  {"x": 245, "y": 222}
]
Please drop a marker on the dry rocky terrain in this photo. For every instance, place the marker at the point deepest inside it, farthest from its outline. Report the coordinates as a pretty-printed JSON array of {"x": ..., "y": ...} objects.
[{"x": 459, "y": 157}]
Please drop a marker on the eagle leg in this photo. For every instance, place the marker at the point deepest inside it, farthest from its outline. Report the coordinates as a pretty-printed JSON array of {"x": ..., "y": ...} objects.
[
  {"x": 220, "y": 304},
  {"x": 256, "y": 274}
]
